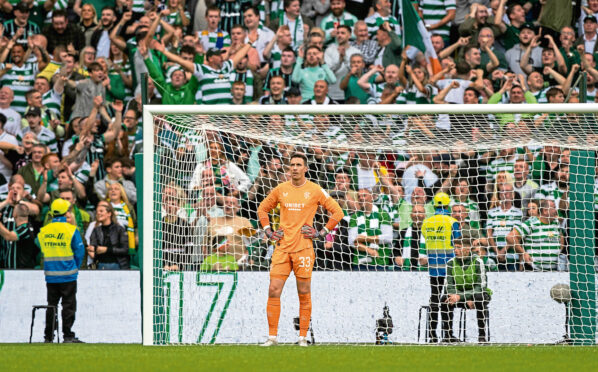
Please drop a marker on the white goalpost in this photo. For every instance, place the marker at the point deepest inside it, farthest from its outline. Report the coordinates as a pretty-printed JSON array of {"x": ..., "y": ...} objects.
[{"x": 521, "y": 183}]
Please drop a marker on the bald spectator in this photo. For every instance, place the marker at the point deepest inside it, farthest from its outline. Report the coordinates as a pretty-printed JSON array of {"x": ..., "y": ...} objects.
[
  {"x": 375, "y": 84},
  {"x": 6, "y": 167},
  {"x": 228, "y": 229},
  {"x": 13, "y": 118},
  {"x": 486, "y": 41},
  {"x": 382, "y": 14},
  {"x": 321, "y": 95},
  {"x": 437, "y": 43}
]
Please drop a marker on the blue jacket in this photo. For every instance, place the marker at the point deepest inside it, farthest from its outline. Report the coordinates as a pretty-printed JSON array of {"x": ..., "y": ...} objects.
[{"x": 63, "y": 250}]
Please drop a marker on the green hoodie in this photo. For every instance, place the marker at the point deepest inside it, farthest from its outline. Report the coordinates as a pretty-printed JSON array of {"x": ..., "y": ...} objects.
[{"x": 185, "y": 95}]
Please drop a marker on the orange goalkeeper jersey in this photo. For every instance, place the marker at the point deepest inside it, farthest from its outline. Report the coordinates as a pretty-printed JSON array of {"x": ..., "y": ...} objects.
[{"x": 298, "y": 206}]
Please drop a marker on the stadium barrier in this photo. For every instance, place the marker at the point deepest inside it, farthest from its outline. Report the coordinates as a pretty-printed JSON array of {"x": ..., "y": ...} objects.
[{"x": 229, "y": 307}]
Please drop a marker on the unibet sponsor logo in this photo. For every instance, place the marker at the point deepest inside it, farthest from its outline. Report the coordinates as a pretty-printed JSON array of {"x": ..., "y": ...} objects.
[{"x": 294, "y": 206}]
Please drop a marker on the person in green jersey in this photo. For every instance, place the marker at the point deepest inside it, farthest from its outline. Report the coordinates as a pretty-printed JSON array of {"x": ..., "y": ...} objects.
[
  {"x": 213, "y": 75},
  {"x": 539, "y": 241},
  {"x": 466, "y": 287},
  {"x": 180, "y": 90},
  {"x": 370, "y": 234}
]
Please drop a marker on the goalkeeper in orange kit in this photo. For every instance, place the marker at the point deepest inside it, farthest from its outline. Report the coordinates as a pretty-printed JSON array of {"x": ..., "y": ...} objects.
[{"x": 299, "y": 200}]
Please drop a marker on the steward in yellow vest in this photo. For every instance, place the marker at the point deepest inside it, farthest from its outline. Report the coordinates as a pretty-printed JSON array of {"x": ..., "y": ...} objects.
[
  {"x": 439, "y": 231},
  {"x": 63, "y": 250}
]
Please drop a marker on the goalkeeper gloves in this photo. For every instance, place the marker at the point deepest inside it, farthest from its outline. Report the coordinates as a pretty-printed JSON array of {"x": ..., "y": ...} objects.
[
  {"x": 274, "y": 235},
  {"x": 310, "y": 232}
]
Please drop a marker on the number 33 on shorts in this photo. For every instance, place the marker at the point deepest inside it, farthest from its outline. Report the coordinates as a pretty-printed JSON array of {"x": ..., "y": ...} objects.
[{"x": 305, "y": 262}]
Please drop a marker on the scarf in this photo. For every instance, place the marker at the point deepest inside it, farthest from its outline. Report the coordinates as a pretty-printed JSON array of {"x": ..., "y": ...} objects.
[{"x": 296, "y": 32}]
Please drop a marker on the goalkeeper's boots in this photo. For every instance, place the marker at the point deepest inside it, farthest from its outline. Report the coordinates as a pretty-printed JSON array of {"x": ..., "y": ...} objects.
[
  {"x": 302, "y": 342},
  {"x": 271, "y": 341}
]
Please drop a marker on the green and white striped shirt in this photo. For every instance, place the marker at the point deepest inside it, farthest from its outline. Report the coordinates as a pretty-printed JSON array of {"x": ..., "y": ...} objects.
[
  {"x": 376, "y": 20},
  {"x": 8, "y": 248},
  {"x": 174, "y": 19},
  {"x": 542, "y": 241},
  {"x": 275, "y": 57},
  {"x": 122, "y": 217},
  {"x": 541, "y": 95},
  {"x": 247, "y": 78},
  {"x": 45, "y": 136},
  {"x": 329, "y": 22},
  {"x": 371, "y": 225},
  {"x": 276, "y": 10},
  {"x": 414, "y": 96},
  {"x": 376, "y": 90},
  {"x": 502, "y": 222},
  {"x": 550, "y": 191},
  {"x": 434, "y": 11},
  {"x": 473, "y": 212},
  {"x": 20, "y": 80},
  {"x": 138, "y": 6},
  {"x": 82, "y": 174},
  {"x": 500, "y": 165},
  {"x": 127, "y": 71},
  {"x": 52, "y": 101},
  {"x": 10, "y": 29},
  {"x": 215, "y": 85}
]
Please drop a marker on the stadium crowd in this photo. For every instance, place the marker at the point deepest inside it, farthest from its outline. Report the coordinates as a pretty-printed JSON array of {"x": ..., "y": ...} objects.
[{"x": 70, "y": 124}]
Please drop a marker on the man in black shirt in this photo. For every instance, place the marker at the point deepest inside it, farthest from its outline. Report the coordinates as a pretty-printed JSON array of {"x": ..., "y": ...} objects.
[
  {"x": 24, "y": 236},
  {"x": 176, "y": 242}
]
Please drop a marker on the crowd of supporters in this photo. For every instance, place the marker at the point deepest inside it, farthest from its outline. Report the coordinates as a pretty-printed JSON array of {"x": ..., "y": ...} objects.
[{"x": 70, "y": 123}]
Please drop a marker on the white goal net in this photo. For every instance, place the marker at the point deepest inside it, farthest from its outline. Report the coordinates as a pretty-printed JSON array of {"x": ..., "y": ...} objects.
[{"x": 459, "y": 226}]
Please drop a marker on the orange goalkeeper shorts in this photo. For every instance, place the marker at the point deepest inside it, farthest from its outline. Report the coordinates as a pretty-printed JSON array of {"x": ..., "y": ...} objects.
[{"x": 301, "y": 263}]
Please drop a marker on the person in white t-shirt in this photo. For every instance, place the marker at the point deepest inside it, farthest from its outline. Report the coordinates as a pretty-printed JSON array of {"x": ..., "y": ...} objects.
[
  {"x": 5, "y": 164},
  {"x": 13, "y": 118}
]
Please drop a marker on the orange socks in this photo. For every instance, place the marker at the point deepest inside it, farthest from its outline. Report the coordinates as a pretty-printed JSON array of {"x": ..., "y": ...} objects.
[
  {"x": 273, "y": 312},
  {"x": 304, "y": 313}
]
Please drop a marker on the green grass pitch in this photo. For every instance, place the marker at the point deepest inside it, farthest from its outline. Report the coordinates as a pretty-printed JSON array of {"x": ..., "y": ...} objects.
[{"x": 104, "y": 357}]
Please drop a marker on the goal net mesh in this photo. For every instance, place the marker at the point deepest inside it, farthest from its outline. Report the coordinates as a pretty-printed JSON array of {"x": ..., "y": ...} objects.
[{"x": 522, "y": 189}]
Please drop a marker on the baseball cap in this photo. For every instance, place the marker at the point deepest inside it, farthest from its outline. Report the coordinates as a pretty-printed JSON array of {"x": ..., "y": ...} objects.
[
  {"x": 33, "y": 111},
  {"x": 442, "y": 199},
  {"x": 212, "y": 52},
  {"x": 589, "y": 18},
  {"x": 22, "y": 7},
  {"x": 59, "y": 207},
  {"x": 528, "y": 25}
]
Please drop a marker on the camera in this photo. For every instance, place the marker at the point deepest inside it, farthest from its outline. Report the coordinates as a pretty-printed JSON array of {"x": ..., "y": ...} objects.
[{"x": 384, "y": 327}]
